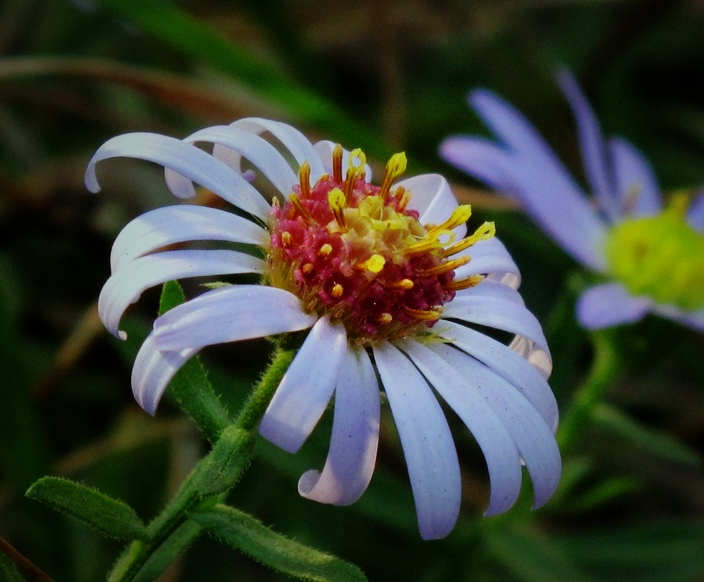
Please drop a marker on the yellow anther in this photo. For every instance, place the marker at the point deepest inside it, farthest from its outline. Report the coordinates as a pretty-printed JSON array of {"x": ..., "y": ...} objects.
[
  {"x": 337, "y": 291},
  {"x": 374, "y": 264},
  {"x": 445, "y": 267},
  {"x": 460, "y": 215},
  {"x": 302, "y": 210},
  {"x": 402, "y": 284},
  {"x": 337, "y": 163},
  {"x": 355, "y": 169},
  {"x": 286, "y": 238},
  {"x": 423, "y": 314},
  {"x": 394, "y": 168},
  {"x": 307, "y": 268},
  {"x": 325, "y": 250},
  {"x": 385, "y": 318},
  {"x": 466, "y": 283},
  {"x": 337, "y": 202},
  {"x": 304, "y": 179},
  {"x": 484, "y": 232}
]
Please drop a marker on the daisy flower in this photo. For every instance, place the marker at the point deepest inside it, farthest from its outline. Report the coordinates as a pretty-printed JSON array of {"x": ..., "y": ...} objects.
[
  {"x": 648, "y": 256},
  {"x": 389, "y": 285}
]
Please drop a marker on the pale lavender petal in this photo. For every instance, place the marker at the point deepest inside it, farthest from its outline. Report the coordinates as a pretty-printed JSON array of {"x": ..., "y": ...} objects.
[
  {"x": 542, "y": 184},
  {"x": 232, "y": 144},
  {"x": 293, "y": 140},
  {"x": 306, "y": 388},
  {"x": 152, "y": 372},
  {"x": 491, "y": 289},
  {"x": 188, "y": 162},
  {"x": 502, "y": 458},
  {"x": 427, "y": 443},
  {"x": 229, "y": 314},
  {"x": 695, "y": 215},
  {"x": 480, "y": 158},
  {"x": 490, "y": 257},
  {"x": 610, "y": 304},
  {"x": 636, "y": 183},
  {"x": 125, "y": 285},
  {"x": 527, "y": 429},
  {"x": 324, "y": 149},
  {"x": 355, "y": 436},
  {"x": 175, "y": 224},
  {"x": 592, "y": 146},
  {"x": 693, "y": 319},
  {"x": 506, "y": 363},
  {"x": 433, "y": 199}
]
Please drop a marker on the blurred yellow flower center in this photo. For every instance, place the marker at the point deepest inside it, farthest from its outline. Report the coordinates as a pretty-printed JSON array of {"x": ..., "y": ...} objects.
[{"x": 661, "y": 257}]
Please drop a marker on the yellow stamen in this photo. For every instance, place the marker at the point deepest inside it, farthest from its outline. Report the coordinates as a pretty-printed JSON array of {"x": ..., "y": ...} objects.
[
  {"x": 430, "y": 243},
  {"x": 302, "y": 210},
  {"x": 484, "y": 232},
  {"x": 337, "y": 163},
  {"x": 337, "y": 202},
  {"x": 375, "y": 263},
  {"x": 460, "y": 215},
  {"x": 394, "y": 168},
  {"x": 403, "y": 197},
  {"x": 445, "y": 267},
  {"x": 423, "y": 314},
  {"x": 304, "y": 179},
  {"x": 355, "y": 169},
  {"x": 402, "y": 284},
  {"x": 337, "y": 291},
  {"x": 325, "y": 250},
  {"x": 385, "y": 318},
  {"x": 286, "y": 238},
  {"x": 466, "y": 283},
  {"x": 307, "y": 268}
]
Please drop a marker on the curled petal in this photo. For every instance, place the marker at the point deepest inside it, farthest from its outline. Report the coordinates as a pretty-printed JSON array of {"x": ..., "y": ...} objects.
[
  {"x": 152, "y": 372},
  {"x": 229, "y": 314},
  {"x": 355, "y": 436},
  {"x": 306, "y": 388},
  {"x": 432, "y": 197},
  {"x": 636, "y": 183},
  {"x": 188, "y": 162},
  {"x": 427, "y": 444},
  {"x": 232, "y": 144},
  {"x": 506, "y": 363},
  {"x": 175, "y": 224},
  {"x": 125, "y": 286},
  {"x": 610, "y": 304},
  {"x": 502, "y": 459}
]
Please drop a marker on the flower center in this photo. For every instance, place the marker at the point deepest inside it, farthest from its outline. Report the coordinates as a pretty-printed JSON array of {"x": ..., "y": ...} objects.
[
  {"x": 661, "y": 257},
  {"x": 356, "y": 252}
]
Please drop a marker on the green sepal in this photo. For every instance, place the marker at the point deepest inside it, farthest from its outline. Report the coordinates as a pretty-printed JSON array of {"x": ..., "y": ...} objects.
[
  {"x": 244, "y": 532},
  {"x": 190, "y": 385},
  {"x": 111, "y": 517}
]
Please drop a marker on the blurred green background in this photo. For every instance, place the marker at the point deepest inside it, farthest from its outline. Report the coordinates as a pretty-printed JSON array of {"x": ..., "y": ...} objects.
[{"x": 384, "y": 75}]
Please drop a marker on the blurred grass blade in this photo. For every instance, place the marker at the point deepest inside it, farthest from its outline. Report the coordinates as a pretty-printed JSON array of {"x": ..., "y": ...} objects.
[
  {"x": 191, "y": 38},
  {"x": 249, "y": 535},
  {"x": 111, "y": 517}
]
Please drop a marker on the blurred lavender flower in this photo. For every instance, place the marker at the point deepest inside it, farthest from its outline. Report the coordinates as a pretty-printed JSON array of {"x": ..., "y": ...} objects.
[
  {"x": 652, "y": 257},
  {"x": 383, "y": 278}
]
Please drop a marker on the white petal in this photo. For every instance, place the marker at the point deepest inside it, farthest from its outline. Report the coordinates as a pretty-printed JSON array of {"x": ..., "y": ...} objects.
[
  {"x": 610, "y": 304},
  {"x": 506, "y": 363},
  {"x": 125, "y": 286},
  {"x": 175, "y": 224},
  {"x": 432, "y": 197},
  {"x": 233, "y": 143},
  {"x": 355, "y": 436},
  {"x": 532, "y": 436},
  {"x": 306, "y": 388},
  {"x": 153, "y": 371},
  {"x": 229, "y": 314},
  {"x": 427, "y": 444},
  {"x": 325, "y": 148},
  {"x": 293, "y": 140},
  {"x": 502, "y": 458},
  {"x": 189, "y": 163},
  {"x": 635, "y": 180},
  {"x": 490, "y": 257}
]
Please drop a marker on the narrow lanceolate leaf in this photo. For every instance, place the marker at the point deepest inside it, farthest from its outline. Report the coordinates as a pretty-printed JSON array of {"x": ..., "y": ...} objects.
[
  {"x": 249, "y": 535},
  {"x": 109, "y": 516},
  {"x": 190, "y": 386},
  {"x": 8, "y": 569}
]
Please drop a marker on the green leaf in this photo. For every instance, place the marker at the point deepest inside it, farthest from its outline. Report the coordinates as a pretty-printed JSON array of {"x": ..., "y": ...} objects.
[
  {"x": 659, "y": 444},
  {"x": 190, "y": 385},
  {"x": 111, "y": 517},
  {"x": 8, "y": 569},
  {"x": 249, "y": 535}
]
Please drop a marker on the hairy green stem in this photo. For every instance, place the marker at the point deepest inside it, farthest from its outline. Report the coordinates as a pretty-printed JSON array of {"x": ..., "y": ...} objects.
[{"x": 213, "y": 476}]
